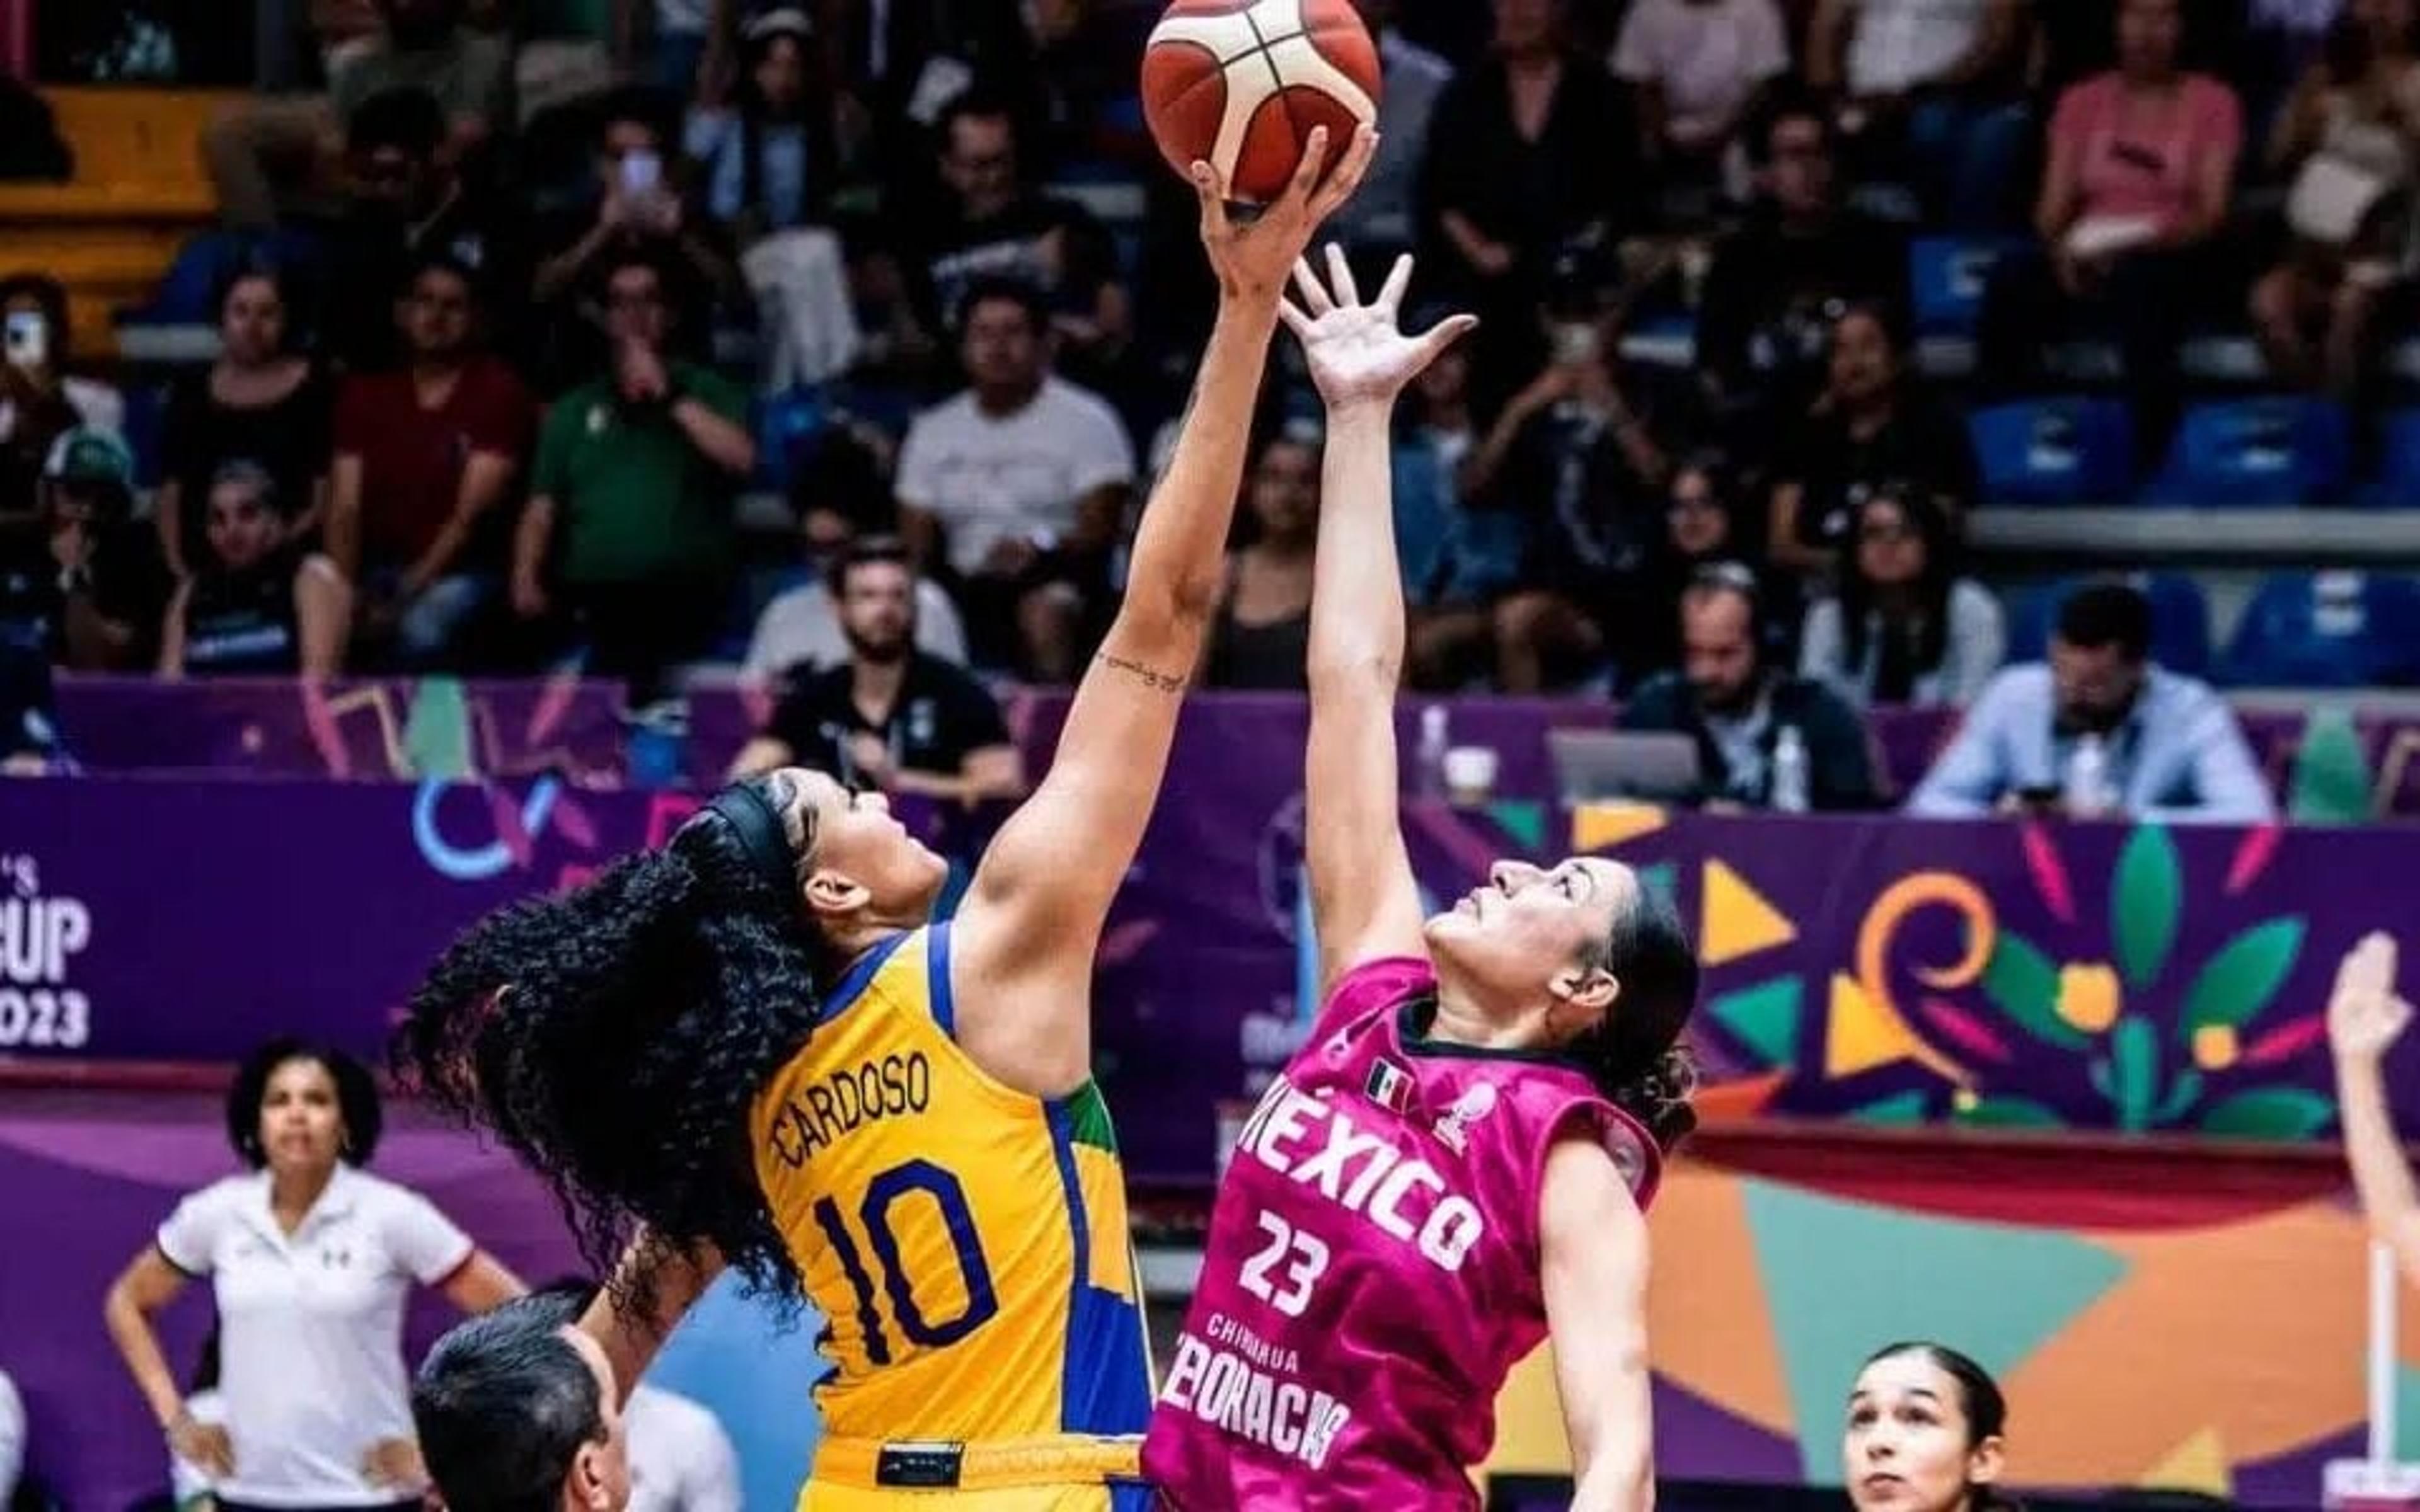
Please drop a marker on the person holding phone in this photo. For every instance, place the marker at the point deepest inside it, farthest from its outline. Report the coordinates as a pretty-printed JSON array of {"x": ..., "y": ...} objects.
[
  {"x": 1577, "y": 453},
  {"x": 38, "y": 402}
]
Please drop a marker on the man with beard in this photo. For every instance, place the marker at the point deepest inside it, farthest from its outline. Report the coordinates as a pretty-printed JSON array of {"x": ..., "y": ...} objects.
[
  {"x": 2168, "y": 747},
  {"x": 891, "y": 717},
  {"x": 1739, "y": 709}
]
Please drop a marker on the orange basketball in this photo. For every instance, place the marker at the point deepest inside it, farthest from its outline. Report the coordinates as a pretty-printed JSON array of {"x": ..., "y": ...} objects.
[{"x": 1239, "y": 84}]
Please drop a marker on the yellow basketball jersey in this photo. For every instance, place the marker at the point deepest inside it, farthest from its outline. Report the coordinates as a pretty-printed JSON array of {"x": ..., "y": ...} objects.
[{"x": 967, "y": 1242}]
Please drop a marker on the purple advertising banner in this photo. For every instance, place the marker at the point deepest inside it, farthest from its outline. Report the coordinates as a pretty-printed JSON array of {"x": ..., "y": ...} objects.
[{"x": 2096, "y": 977}]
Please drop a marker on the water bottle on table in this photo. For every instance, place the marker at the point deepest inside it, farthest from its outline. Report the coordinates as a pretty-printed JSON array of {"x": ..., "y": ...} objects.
[{"x": 1791, "y": 777}]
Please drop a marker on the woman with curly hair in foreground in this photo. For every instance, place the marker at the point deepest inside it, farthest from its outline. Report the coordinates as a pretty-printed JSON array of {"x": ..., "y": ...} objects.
[{"x": 754, "y": 1049}]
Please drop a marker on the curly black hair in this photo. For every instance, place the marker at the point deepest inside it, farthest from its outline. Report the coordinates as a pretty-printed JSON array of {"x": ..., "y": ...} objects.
[
  {"x": 357, "y": 1099},
  {"x": 1636, "y": 1055},
  {"x": 614, "y": 1036}
]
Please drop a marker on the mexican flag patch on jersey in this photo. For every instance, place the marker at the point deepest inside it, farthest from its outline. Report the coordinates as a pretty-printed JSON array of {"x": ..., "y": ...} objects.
[{"x": 1389, "y": 1086}]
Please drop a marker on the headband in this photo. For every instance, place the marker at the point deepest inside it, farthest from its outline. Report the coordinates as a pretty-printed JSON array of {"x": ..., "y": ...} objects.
[{"x": 757, "y": 826}]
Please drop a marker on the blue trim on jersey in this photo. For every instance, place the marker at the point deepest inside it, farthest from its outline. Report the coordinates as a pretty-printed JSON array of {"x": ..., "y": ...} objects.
[
  {"x": 852, "y": 983},
  {"x": 1104, "y": 1376},
  {"x": 1132, "y": 1496},
  {"x": 936, "y": 978}
]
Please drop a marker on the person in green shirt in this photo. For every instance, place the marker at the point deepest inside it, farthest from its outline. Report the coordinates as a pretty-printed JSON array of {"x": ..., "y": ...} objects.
[{"x": 629, "y": 534}]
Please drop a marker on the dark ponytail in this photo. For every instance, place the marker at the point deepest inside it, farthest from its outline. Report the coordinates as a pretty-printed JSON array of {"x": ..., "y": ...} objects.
[
  {"x": 1978, "y": 1398},
  {"x": 615, "y": 1036},
  {"x": 1635, "y": 1056}
]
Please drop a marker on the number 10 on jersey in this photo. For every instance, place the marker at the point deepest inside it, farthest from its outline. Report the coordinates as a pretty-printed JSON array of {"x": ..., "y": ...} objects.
[{"x": 1283, "y": 1272}]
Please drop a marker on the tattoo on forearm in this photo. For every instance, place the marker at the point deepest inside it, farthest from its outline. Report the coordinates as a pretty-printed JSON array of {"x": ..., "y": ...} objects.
[{"x": 1157, "y": 681}]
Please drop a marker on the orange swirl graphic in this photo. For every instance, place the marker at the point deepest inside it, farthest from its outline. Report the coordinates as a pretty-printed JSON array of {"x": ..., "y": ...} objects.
[{"x": 1900, "y": 900}]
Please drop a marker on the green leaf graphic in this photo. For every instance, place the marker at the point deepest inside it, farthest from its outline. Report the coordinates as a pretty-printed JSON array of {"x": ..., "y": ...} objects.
[
  {"x": 2181, "y": 1096},
  {"x": 2023, "y": 985},
  {"x": 2238, "y": 980},
  {"x": 2144, "y": 904},
  {"x": 2270, "y": 1113},
  {"x": 1901, "y": 1108},
  {"x": 2012, "y": 1113},
  {"x": 2134, "y": 1074}
]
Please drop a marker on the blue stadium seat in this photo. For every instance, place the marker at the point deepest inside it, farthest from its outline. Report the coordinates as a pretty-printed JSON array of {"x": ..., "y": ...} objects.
[
  {"x": 1945, "y": 279},
  {"x": 2327, "y": 629},
  {"x": 188, "y": 291},
  {"x": 2396, "y": 484},
  {"x": 2179, "y": 620},
  {"x": 2276, "y": 452},
  {"x": 2062, "y": 451}
]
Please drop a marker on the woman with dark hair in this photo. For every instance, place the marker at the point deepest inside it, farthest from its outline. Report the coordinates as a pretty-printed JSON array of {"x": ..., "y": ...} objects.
[
  {"x": 1875, "y": 422},
  {"x": 1925, "y": 1433},
  {"x": 1265, "y": 608},
  {"x": 768, "y": 157},
  {"x": 1905, "y": 627},
  {"x": 755, "y": 1049},
  {"x": 312, "y": 1259},
  {"x": 262, "y": 606},
  {"x": 1456, "y": 1165},
  {"x": 262, "y": 401}
]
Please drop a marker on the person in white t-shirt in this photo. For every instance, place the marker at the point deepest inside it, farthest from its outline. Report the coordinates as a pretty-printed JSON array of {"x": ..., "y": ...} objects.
[
  {"x": 311, "y": 1260},
  {"x": 680, "y": 1458},
  {"x": 1932, "y": 89},
  {"x": 800, "y": 627},
  {"x": 1696, "y": 67},
  {"x": 1018, "y": 486}
]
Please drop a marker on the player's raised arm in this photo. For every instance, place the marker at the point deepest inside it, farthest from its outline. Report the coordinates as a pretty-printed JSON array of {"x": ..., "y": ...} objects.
[
  {"x": 2365, "y": 1016},
  {"x": 1363, "y": 899},
  {"x": 1043, "y": 891}
]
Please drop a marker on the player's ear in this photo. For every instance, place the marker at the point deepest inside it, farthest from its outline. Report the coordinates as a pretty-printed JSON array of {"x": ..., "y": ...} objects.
[
  {"x": 589, "y": 1487},
  {"x": 830, "y": 895}
]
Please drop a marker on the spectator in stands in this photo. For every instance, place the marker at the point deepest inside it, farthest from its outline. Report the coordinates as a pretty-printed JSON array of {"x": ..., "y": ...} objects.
[
  {"x": 263, "y": 606},
  {"x": 1263, "y": 630},
  {"x": 1458, "y": 560},
  {"x": 2142, "y": 159},
  {"x": 629, "y": 520},
  {"x": 1528, "y": 150},
  {"x": 2170, "y": 748},
  {"x": 77, "y": 578},
  {"x": 638, "y": 204},
  {"x": 261, "y": 401},
  {"x": 1777, "y": 284},
  {"x": 1931, "y": 84},
  {"x": 1736, "y": 706},
  {"x": 1383, "y": 216},
  {"x": 30, "y": 740},
  {"x": 1576, "y": 452},
  {"x": 1706, "y": 521},
  {"x": 1905, "y": 627},
  {"x": 767, "y": 153},
  {"x": 842, "y": 489},
  {"x": 422, "y": 44},
  {"x": 900, "y": 66},
  {"x": 1021, "y": 484},
  {"x": 1696, "y": 69},
  {"x": 1877, "y": 422},
  {"x": 312, "y": 1258},
  {"x": 408, "y": 201},
  {"x": 1925, "y": 1429},
  {"x": 2349, "y": 139},
  {"x": 891, "y": 717},
  {"x": 2366, "y": 1014},
  {"x": 427, "y": 460},
  {"x": 39, "y": 400},
  {"x": 518, "y": 1409},
  {"x": 666, "y": 43},
  {"x": 990, "y": 223}
]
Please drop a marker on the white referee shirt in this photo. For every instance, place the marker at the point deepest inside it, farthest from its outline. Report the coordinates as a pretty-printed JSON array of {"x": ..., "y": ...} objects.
[
  {"x": 680, "y": 1458},
  {"x": 311, "y": 1326}
]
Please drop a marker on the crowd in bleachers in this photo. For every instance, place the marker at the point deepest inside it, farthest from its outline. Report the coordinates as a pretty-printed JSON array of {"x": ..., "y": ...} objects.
[{"x": 521, "y": 316}]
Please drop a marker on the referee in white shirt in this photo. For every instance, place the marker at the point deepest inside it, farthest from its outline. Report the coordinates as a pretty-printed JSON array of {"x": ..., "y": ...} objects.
[{"x": 311, "y": 1260}]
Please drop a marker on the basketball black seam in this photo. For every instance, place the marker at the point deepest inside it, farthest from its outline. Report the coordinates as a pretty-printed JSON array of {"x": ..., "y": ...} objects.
[{"x": 1277, "y": 80}]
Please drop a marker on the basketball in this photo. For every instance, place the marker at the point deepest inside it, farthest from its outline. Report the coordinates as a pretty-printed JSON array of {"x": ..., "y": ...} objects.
[{"x": 1240, "y": 84}]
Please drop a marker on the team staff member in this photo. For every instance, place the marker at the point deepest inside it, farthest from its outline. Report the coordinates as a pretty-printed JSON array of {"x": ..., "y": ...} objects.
[{"x": 311, "y": 1258}]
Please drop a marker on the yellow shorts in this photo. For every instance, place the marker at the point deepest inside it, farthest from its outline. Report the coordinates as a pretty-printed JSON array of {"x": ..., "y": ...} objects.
[{"x": 1060, "y": 1474}]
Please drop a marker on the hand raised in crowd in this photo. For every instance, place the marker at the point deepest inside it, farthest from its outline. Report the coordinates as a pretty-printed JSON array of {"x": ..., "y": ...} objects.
[
  {"x": 1356, "y": 355},
  {"x": 2364, "y": 1014},
  {"x": 638, "y": 373},
  {"x": 1252, "y": 258},
  {"x": 203, "y": 1445}
]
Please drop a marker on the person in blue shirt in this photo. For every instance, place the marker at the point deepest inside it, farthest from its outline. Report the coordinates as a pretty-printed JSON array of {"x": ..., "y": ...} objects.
[{"x": 2171, "y": 748}]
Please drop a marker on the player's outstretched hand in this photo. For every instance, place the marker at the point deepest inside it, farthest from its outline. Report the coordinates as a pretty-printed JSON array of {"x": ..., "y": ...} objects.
[
  {"x": 2365, "y": 1015},
  {"x": 1356, "y": 354},
  {"x": 1251, "y": 257}
]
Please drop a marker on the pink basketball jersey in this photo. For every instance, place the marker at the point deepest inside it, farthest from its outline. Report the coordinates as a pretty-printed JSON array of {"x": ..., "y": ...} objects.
[{"x": 1372, "y": 1274}]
